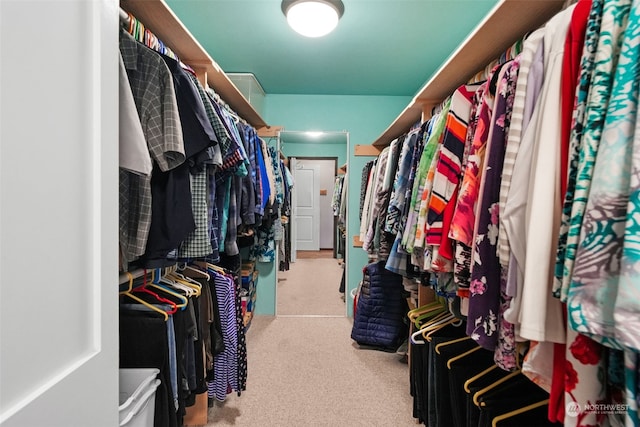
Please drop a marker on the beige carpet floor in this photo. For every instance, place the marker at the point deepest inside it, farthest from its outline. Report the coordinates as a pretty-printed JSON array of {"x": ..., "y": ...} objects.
[
  {"x": 304, "y": 369},
  {"x": 311, "y": 287}
]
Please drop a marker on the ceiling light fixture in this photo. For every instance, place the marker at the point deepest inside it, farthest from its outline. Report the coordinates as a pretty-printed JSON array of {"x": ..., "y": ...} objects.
[{"x": 313, "y": 18}]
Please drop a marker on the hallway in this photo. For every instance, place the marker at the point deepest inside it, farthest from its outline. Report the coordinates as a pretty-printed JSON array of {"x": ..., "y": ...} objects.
[
  {"x": 311, "y": 286},
  {"x": 304, "y": 369}
]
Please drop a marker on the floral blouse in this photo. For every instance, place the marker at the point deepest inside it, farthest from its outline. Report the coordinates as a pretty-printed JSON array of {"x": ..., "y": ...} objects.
[{"x": 484, "y": 302}]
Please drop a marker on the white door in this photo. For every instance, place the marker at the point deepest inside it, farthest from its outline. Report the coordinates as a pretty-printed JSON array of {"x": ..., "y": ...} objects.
[
  {"x": 58, "y": 213},
  {"x": 307, "y": 201}
]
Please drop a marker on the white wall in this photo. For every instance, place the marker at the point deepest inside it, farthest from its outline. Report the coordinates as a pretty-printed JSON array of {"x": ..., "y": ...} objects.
[
  {"x": 327, "y": 181},
  {"x": 58, "y": 213}
]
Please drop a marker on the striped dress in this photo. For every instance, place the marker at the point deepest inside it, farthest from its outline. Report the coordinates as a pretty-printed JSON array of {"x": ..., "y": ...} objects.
[{"x": 225, "y": 364}]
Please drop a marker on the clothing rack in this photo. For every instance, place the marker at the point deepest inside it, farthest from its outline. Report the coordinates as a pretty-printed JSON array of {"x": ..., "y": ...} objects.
[
  {"x": 145, "y": 36},
  {"x": 131, "y": 275},
  {"x": 224, "y": 105},
  {"x": 438, "y": 108},
  {"x": 139, "y": 272},
  {"x": 124, "y": 17},
  {"x": 162, "y": 22},
  {"x": 153, "y": 42},
  {"x": 504, "y": 25},
  {"x": 510, "y": 53}
]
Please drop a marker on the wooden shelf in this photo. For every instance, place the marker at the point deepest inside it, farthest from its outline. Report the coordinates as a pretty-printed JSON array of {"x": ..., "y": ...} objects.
[
  {"x": 158, "y": 17},
  {"x": 366, "y": 150},
  {"x": 508, "y": 22},
  {"x": 270, "y": 131}
]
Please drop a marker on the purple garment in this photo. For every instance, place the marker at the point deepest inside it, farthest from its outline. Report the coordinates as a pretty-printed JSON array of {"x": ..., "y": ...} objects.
[
  {"x": 225, "y": 364},
  {"x": 484, "y": 301}
]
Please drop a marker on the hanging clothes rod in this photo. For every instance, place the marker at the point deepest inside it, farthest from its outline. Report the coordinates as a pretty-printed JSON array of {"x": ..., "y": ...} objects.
[
  {"x": 155, "y": 43},
  {"x": 124, "y": 17},
  {"x": 139, "y": 272},
  {"x": 124, "y": 277}
]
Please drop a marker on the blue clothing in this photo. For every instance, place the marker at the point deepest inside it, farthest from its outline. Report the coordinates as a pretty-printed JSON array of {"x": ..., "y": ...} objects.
[
  {"x": 380, "y": 310},
  {"x": 264, "y": 179}
]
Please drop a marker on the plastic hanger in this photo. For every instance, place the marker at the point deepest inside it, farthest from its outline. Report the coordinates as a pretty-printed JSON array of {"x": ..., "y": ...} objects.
[
  {"x": 188, "y": 291},
  {"x": 435, "y": 328},
  {"x": 444, "y": 344},
  {"x": 194, "y": 272},
  {"x": 141, "y": 301},
  {"x": 134, "y": 29},
  {"x": 467, "y": 383},
  {"x": 132, "y": 21},
  {"x": 178, "y": 275},
  {"x": 470, "y": 381},
  {"x": 463, "y": 355},
  {"x": 143, "y": 288},
  {"x": 181, "y": 297},
  {"x": 140, "y": 35},
  {"x": 490, "y": 387},
  {"x": 186, "y": 281},
  {"x": 436, "y": 313},
  {"x": 437, "y": 317},
  {"x": 208, "y": 266},
  {"x": 416, "y": 312},
  {"x": 502, "y": 417},
  {"x": 413, "y": 337},
  {"x": 159, "y": 278}
]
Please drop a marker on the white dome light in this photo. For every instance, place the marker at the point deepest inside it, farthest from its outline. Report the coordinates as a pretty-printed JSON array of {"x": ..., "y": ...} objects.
[{"x": 313, "y": 18}]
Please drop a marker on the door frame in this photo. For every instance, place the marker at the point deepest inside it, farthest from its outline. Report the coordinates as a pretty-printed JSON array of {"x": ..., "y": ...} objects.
[{"x": 335, "y": 172}]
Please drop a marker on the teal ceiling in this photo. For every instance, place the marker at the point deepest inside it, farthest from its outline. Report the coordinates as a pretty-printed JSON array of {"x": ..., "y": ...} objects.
[{"x": 381, "y": 47}]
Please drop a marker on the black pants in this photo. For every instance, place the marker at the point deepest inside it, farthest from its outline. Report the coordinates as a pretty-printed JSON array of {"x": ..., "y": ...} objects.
[
  {"x": 423, "y": 375},
  {"x": 513, "y": 394},
  {"x": 419, "y": 380},
  {"x": 473, "y": 412},
  {"x": 444, "y": 411},
  {"x": 144, "y": 344},
  {"x": 459, "y": 372}
]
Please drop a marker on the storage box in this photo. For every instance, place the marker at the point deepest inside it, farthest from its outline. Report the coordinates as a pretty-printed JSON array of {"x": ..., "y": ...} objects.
[
  {"x": 137, "y": 396},
  {"x": 250, "y": 88}
]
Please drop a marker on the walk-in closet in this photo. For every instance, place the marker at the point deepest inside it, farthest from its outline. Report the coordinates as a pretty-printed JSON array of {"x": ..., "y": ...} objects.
[{"x": 218, "y": 213}]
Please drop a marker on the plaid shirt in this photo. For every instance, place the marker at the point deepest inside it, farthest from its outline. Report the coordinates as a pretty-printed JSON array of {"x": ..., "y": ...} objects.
[
  {"x": 135, "y": 214},
  {"x": 153, "y": 92},
  {"x": 233, "y": 220},
  {"x": 213, "y": 216},
  {"x": 218, "y": 127},
  {"x": 198, "y": 243}
]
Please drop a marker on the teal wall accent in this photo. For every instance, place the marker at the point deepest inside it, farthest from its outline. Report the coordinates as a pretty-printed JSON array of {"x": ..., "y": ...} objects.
[
  {"x": 266, "y": 289},
  {"x": 365, "y": 118}
]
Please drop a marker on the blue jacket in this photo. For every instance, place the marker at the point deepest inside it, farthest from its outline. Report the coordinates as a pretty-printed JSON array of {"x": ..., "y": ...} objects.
[{"x": 381, "y": 309}]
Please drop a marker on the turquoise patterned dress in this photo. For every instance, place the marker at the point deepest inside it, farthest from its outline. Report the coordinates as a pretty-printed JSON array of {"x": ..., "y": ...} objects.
[
  {"x": 562, "y": 274},
  {"x": 614, "y": 21},
  {"x": 604, "y": 296}
]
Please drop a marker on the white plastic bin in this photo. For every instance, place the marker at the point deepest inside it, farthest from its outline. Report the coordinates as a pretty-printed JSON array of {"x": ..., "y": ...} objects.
[{"x": 137, "y": 396}]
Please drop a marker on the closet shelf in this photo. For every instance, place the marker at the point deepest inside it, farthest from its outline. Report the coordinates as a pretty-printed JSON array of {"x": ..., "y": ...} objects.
[
  {"x": 508, "y": 22},
  {"x": 163, "y": 22}
]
